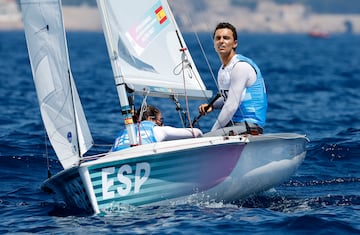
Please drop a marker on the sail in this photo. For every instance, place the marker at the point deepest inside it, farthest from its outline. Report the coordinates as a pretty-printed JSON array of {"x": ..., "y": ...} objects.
[
  {"x": 59, "y": 101},
  {"x": 148, "y": 50}
]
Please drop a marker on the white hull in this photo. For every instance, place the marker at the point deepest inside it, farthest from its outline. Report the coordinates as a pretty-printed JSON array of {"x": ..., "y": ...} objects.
[
  {"x": 223, "y": 169},
  {"x": 220, "y": 168}
]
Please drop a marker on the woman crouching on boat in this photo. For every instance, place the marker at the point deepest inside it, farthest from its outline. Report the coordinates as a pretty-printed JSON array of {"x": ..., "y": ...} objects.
[{"x": 152, "y": 130}]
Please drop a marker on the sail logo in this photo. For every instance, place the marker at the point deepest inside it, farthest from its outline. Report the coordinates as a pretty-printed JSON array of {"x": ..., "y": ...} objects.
[
  {"x": 119, "y": 182},
  {"x": 69, "y": 136},
  {"x": 161, "y": 15},
  {"x": 148, "y": 28}
]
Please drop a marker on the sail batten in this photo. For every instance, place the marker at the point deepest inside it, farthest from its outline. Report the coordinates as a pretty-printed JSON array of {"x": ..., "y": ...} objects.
[{"x": 60, "y": 105}]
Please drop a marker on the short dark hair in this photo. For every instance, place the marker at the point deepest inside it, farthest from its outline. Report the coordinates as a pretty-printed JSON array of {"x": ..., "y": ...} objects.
[
  {"x": 151, "y": 111},
  {"x": 226, "y": 25}
]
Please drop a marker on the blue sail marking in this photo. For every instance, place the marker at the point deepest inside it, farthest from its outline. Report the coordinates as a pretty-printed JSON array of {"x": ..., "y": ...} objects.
[{"x": 148, "y": 28}]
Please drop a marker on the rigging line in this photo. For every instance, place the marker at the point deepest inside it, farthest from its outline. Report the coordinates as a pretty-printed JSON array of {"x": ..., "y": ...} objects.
[
  {"x": 75, "y": 113},
  {"x": 189, "y": 19},
  {"x": 179, "y": 109},
  {"x": 72, "y": 86},
  {"x": 144, "y": 105},
  {"x": 206, "y": 59},
  {"x": 45, "y": 133},
  {"x": 172, "y": 18},
  {"x": 47, "y": 154},
  {"x": 185, "y": 91},
  {"x": 184, "y": 64},
  {"x": 182, "y": 119},
  {"x": 143, "y": 109},
  {"x": 183, "y": 49}
]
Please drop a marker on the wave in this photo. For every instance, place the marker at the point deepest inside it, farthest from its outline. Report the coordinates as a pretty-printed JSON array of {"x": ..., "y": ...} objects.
[{"x": 299, "y": 203}]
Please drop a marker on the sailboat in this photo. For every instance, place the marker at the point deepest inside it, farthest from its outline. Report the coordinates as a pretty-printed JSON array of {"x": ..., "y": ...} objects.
[{"x": 149, "y": 57}]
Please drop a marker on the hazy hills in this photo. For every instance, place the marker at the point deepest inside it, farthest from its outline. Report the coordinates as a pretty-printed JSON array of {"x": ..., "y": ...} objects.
[
  {"x": 316, "y": 6},
  {"x": 266, "y": 16},
  {"x": 257, "y": 16}
]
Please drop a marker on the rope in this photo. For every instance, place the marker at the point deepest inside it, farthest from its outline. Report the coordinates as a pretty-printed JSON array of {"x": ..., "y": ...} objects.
[
  {"x": 47, "y": 154},
  {"x": 143, "y": 106}
]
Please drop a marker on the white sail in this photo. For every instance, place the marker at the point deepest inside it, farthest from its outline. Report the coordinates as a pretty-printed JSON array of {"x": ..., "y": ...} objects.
[
  {"x": 148, "y": 50},
  {"x": 59, "y": 101}
]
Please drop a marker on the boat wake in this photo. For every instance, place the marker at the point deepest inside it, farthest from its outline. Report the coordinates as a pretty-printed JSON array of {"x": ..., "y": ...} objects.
[{"x": 291, "y": 204}]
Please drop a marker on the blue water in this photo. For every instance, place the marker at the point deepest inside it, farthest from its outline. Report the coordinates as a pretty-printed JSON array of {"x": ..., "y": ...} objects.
[{"x": 313, "y": 88}]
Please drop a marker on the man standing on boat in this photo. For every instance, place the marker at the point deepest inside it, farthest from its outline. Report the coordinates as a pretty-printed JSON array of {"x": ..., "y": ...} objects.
[{"x": 243, "y": 100}]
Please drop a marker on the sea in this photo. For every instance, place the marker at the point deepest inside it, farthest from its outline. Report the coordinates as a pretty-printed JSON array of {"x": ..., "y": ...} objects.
[{"x": 312, "y": 87}]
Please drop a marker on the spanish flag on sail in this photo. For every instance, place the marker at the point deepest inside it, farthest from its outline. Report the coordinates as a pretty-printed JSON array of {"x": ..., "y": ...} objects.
[{"x": 161, "y": 15}]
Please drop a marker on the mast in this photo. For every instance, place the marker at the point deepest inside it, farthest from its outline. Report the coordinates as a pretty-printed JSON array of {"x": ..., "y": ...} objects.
[{"x": 118, "y": 77}]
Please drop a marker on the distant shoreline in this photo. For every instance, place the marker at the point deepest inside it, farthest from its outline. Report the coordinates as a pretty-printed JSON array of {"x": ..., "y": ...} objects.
[{"x": 86, "y": 18}]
